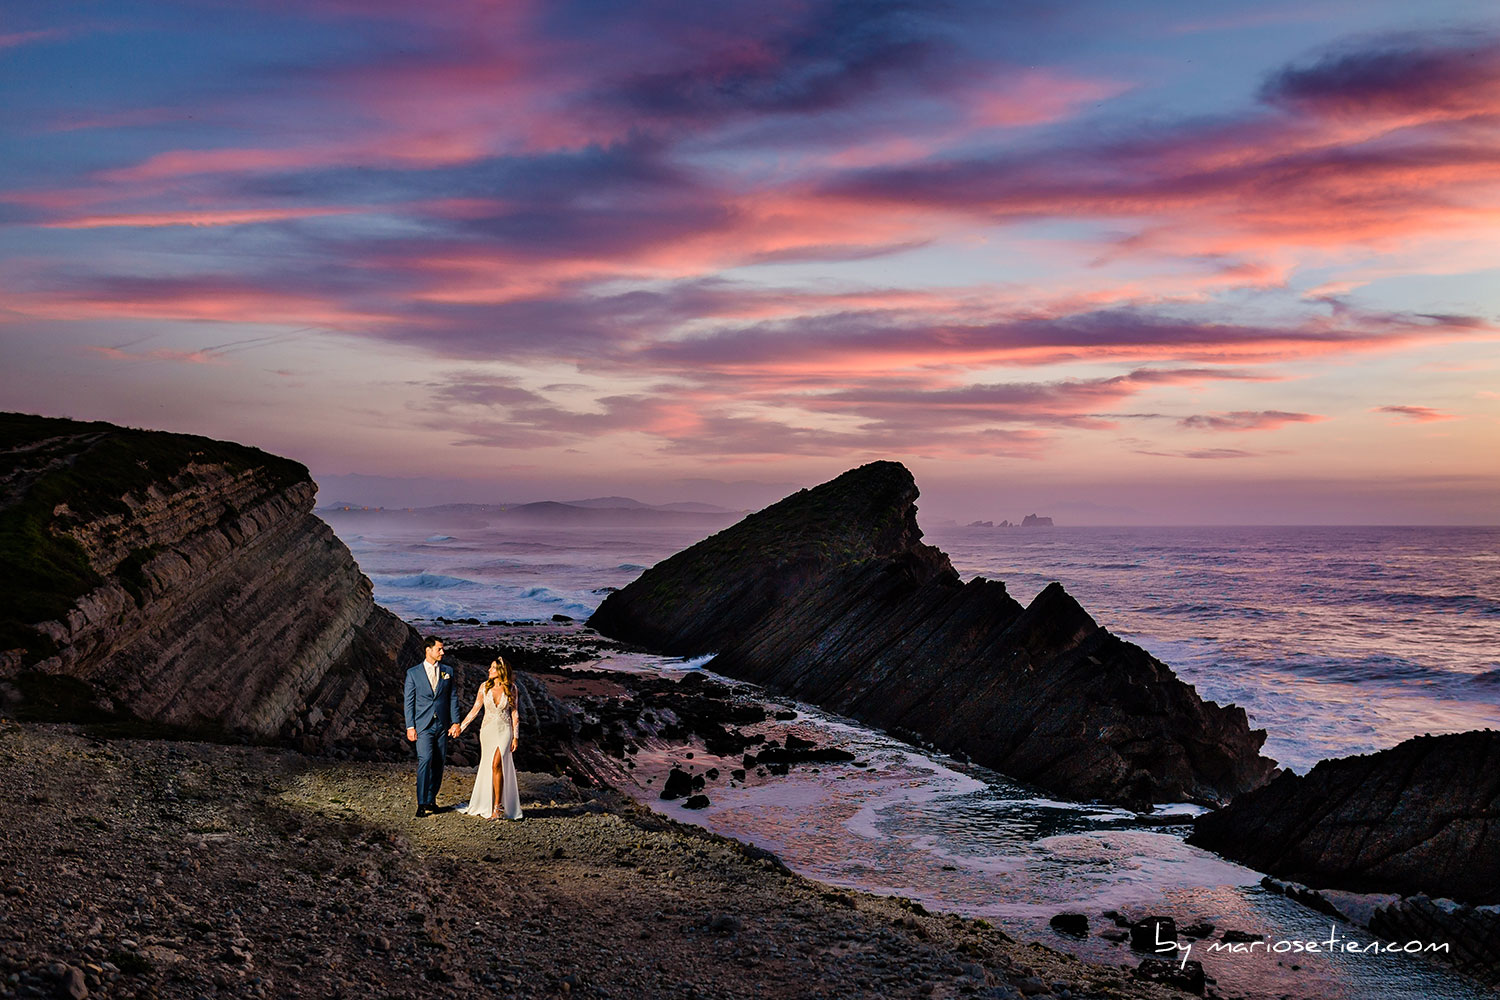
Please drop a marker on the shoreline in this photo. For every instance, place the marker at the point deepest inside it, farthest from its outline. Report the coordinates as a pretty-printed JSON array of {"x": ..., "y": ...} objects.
[
  {"x": 146, "y": 868},
  {"x": 620, "y": 741}
]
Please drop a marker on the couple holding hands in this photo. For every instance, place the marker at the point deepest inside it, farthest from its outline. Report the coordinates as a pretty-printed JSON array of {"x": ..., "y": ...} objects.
[{"x": 431, "y": 700}]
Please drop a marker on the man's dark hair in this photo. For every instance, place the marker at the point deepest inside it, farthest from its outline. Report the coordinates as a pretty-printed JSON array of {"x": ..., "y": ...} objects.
[{"x": 430, "y": 641}]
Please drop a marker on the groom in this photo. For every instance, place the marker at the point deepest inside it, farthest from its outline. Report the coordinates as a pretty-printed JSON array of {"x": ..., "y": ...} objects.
[{"x": 431, "y": 717}]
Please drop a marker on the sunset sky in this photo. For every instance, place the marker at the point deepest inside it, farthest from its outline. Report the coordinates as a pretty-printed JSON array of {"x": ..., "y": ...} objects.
[{"x": 1120, "y": 263}]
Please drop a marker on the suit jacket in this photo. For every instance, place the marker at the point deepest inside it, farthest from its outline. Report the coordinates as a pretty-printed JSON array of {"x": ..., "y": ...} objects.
[{"x": 428, "y": 709}]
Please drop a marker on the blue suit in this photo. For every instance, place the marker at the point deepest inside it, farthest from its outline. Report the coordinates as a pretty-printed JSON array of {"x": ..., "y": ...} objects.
[{"x": 430, "y": 712}]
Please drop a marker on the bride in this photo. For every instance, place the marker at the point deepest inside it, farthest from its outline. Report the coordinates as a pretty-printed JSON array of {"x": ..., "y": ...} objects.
[{"x": 497, "y": 741}]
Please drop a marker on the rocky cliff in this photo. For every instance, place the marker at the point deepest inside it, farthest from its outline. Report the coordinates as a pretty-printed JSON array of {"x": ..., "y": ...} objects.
[
  {"x": 831, "y": 596},
  {"x": 178, "y": 580},
  {"x": 1421, "y": 817}
]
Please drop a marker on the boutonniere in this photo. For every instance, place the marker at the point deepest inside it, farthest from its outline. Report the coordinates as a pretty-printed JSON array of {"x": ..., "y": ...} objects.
[{"x": 447, "y": 677}]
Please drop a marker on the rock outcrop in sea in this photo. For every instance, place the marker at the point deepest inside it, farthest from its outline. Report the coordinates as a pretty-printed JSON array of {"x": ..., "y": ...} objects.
[
  {"x": 830, "y": 596},
  {"x": 174, "y": 579},
  {"x": 1421, "y": 817}
]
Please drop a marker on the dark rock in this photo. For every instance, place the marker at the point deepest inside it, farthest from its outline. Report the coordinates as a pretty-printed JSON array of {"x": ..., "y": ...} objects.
[
  {"x": 1152, "y": 933},
  {"x": 830, "y": 596},
  {"x": 678, "y": 784},
  {"x": 825, "y": 755},
  {"x": 1240, "y": 936},
  {"x": 738, "y": 774},
  {"x": 1198, "y": 929},
  {"x": 140, "y": 557},
  {"x": 785, "y": 715},
  {"x": 696, "y": 802},
  {"x": 1421, "y": 817},
  {"x": 1471, "y": 933},
  {"x": 1310, "y": 898},
  {"x": 725, "y": 923},
  {"x": 1184, "y": 976},
  {"x": 71, "y": 984},
  {"x": 1075, "y": 924},
  {"x": 1117, "y": 918},
  {"x": 562, "y": 618}
]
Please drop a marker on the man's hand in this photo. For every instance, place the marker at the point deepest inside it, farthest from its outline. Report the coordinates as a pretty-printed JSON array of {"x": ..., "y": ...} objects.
[
  {"x": 454, "y": 730},
  {"x": 411, "y": 735}
]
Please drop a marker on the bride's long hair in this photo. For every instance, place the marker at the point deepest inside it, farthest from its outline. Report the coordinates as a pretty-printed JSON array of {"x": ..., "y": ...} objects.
[{"x": 505, "y": 678}]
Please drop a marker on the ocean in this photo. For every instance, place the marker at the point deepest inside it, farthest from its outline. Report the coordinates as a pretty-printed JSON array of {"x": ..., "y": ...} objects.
[{"x": 1336, "y": 640}]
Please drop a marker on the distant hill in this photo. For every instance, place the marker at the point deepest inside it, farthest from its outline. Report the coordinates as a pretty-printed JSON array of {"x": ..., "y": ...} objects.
[
  {"x": 600, "y": 510},
  {"x": 626, "y": 503}
]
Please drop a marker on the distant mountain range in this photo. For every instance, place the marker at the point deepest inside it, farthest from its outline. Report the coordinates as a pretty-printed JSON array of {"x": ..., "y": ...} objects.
[{"x": 597, "y": 510}]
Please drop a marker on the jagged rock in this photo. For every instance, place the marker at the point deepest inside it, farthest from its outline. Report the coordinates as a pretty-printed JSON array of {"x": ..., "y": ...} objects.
[
  {"x": 174, "y": 579},
  {"x": 1472, "y": 933},
  {"x": 830, "y": 595},
  {"x": 1075, "y": 924},
  {"x": 1187, "y": 976},
  {"x": 679, "y": 784},
  {"x": 1310, "y": 898},
  {"x": 1421, "y": 817},
  {"x": 1152, "y": 933}
]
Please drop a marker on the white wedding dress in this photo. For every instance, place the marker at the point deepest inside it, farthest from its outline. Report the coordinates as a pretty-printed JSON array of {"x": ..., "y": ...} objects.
[{"x": 495, "y": 734}]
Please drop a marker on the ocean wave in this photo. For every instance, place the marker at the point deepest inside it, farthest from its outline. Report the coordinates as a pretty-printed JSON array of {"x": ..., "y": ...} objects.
[
  {"x": 543, "y": 594},
  {"x": 424, "y": 581},
  {"x": 1211, "y": 611},
  {"x": 439, "y": 538},
  {"x": 1377, "y": 669},
  {"x": 1454, "y": 602},
  {"x": 631, "y": 566}
]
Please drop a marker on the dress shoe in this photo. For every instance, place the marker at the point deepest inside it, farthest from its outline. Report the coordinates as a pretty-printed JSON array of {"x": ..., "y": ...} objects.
[{"x": 423, "y": 811}]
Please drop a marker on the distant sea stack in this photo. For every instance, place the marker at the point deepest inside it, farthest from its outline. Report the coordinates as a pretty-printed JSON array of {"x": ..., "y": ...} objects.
[
  {"x": 175, "y": 579},
  {"x": 1033, "y": 521},
  {"x": 1421, "y": 817},
  {"x": 830, "y": 595}
]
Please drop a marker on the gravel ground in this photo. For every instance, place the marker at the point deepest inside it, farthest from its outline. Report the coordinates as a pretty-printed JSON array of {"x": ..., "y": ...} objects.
[{"x": 143, "y": 868}]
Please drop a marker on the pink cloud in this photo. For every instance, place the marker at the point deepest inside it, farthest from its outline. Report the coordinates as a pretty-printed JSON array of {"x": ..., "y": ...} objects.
[
  {"x": 1211, "y": 454},
  {"x": 1422, "y": 414},
  {"x": 201, "y": 217},
  {"x": 1035, "y": 96},
  {"x": 200, "y": 357},
  {"x": 1247, "y": 420}
]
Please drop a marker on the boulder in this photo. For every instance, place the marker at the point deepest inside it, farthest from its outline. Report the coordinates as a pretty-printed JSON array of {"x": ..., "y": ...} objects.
[{"x": 679, "y": 784}]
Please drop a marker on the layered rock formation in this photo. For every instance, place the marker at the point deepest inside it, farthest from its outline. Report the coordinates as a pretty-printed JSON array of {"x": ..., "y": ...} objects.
[
  {"x": 831, "y": 596},
  {"x": 1421, "y": 817},
  {"x": 175, "y": 579}
]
